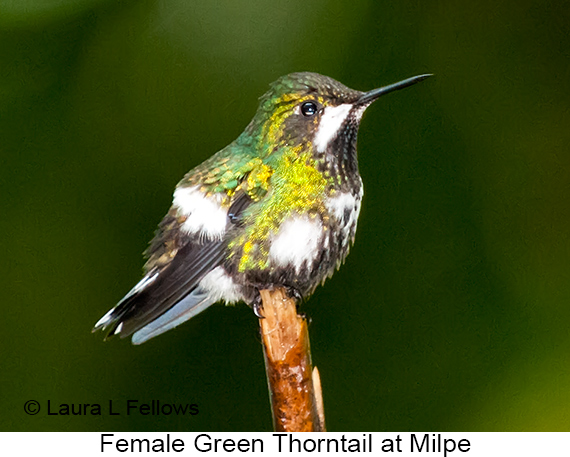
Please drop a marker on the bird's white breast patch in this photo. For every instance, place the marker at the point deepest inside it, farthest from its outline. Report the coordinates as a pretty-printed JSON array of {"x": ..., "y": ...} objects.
[
  {"x": 297, "y": 242},
  {"x": 331, "y": 121},
  {"x": 204, "y": 215}
]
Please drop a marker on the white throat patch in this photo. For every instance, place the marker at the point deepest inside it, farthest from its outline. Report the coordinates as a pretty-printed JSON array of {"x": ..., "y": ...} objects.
[{"x": 331, "y": 121}]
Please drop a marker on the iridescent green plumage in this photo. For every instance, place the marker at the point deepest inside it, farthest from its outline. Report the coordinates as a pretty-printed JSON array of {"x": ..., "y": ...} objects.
[
  {"x": 278, "y": 207},
  {"x": 263, "y": 154}
]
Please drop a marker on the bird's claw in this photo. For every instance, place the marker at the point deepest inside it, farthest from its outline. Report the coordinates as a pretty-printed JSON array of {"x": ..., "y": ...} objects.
[{"x": 257, "y": 308}]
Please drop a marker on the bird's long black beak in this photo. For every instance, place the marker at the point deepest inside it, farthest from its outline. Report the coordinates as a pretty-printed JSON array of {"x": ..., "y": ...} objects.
[{"x": 370, "y": 96}]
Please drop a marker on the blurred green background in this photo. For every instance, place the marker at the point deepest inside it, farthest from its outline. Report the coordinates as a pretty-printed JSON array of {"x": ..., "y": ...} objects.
[{"x": 452, "y": 311}]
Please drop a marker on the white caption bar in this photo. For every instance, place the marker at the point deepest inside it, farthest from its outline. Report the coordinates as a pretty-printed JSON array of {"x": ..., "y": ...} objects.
[{"x": 377, "y": 444}]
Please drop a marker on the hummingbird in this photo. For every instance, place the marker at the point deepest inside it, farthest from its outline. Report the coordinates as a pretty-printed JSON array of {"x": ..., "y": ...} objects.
[{"x": 278, "y": 207}]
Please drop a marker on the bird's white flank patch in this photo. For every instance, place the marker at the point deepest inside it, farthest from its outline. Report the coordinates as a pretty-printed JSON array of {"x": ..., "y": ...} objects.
[
  {"x": 204, "y": 215},
  {"x": 331, "y": 121},
  {"x": 297, "y": 242},
  {"x": 220, "y": 286}
]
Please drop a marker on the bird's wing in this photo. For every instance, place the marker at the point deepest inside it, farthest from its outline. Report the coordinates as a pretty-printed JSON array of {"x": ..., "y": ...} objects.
[{"x": 178, "y": 261}]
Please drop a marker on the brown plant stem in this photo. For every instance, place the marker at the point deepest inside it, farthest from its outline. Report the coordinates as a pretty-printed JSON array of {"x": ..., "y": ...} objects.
[{"x": 294, "y": 387}]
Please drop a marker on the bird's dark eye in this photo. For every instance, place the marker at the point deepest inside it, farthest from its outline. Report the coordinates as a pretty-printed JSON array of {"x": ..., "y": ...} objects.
[{"x": 309, "y": 109}]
